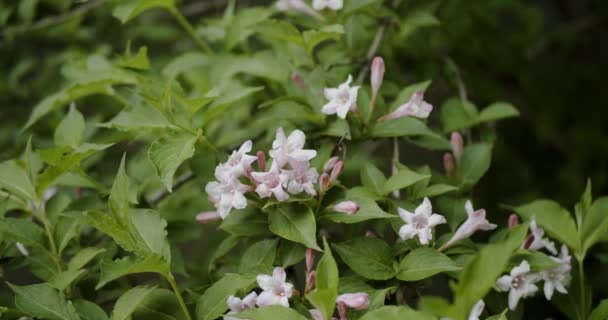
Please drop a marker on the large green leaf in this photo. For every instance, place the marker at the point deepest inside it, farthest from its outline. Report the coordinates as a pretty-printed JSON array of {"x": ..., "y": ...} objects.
[
  {"x": 600, "y": 312},
  {"x": 402, "y": 179},
  {"x": 87, "y": 310},
  {"x": 373, "y": 178},
  {"x": 595, "y": 223},
  {"x": 22, "y": 230},
  {"x": 456, "y": 115},
  {"x": 557, "y": 221},
  {"x": 44, "y": 301},
  {"x": 139, "y": 117},
  {"x": 368, "y": 210},
  {"x": 371, "y": 258},
  {"x": 118, "y": 232},
  {"x": 129, "y": 301},
  {"x": 476, "y": 159},
  {"x": 212, "y": 303},
  {"x": 112, "y": 270},
  {"x": 69, "y": 131},
  {"x": 259, "y": 255},
  {"x": 295, "y": 223},
  {"x": 84, "y": 256},
  {"x": 160, "y": 304},
  {"x": 168, "y": 153},
  {"x": 274, "y": 312},
  {"x": 497, "y": 111},
  {"x": 128, "y": 10},
  {"x": 15, "y": 180},
  {"x": 148, "y": 229},
  {"x": 324, "y": 296},
  {"x": 400, "y": 127},
  {"x": 64, "y": 279},
  {"x": 395, "y": 313},
  {"x": 423, "y": 263},
  {"x": 242, "y": 25}
]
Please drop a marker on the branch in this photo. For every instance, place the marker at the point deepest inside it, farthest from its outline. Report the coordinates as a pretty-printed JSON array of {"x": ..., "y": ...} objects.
[{"x": 158, "y": 196}]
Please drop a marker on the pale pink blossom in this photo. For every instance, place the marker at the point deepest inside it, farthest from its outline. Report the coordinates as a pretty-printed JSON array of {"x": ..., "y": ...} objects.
[
  {"x": 519, "y": 283},
  {"x": 336, "y": 171},
  {"x": 290, "y": 149},
  {"x": 348, "y": 207},
  {"x": 448, "y": 163},
  {"x": 226, "y": 195},
  {"x": 457, "y": 146},
  {"x": 261, "y": 160},
  {"x": 323, "y": 182},
  {"x": 476, "y": 220},
  {"x": 539, "y": 242},
  {"x": 558, "y": 277},
  {"x": 301, "y": 179},
  {"x": 341, "y": 99},
  {"x": 237, "y": 305},
  {"x": 330, "y": 163},
  {"x": 357, "y": 301},
  {"x": 420, "y": 223},
  {"x": 513, "y": 220},
  {"x": 208, "y": 216},
  {"x": 477, "y": 310},
  {"x": 331, "y": 4},
  {"x": 276, "y": 289},
  {"x": 415, "y": 107},
  {"x": 271, "y": 183},
  {"x": 297, "y": 5},
  {"x": 377, "y": 76},
  {"x": 310, "y": 259},
  {"x": 239, "y": 162}
]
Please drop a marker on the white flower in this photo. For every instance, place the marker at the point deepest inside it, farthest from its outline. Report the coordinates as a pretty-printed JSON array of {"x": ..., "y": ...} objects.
[
  {"x": 558, "y": 277},
  {"x": 271, "y": 183},
  {"x": 239, "y": 162},
  {"x": 332, "y": 4},
  {"x": 477, "y": 310},
  {"x": 226, "y": 194},
  {"x": 289, "y": 149},
  {"x": 237, "y": 305},
  {"x": 348, "y": 207},
  {"x": 539, "y": 242},
  {"x": 420, "y": 223},
  {"x": 297, "y": 5},
  {"x": 415, "y": 107},
  {"x": 22, "y": 249},
  {"x": 357, "y": 301},
  {"x": 301, "y": 178},
  {"x": 276, "y": 290},
  {"x": 520, "y": 283},
  {"x": 476, "y": 220},
  {"x": 341, "y": 99}
]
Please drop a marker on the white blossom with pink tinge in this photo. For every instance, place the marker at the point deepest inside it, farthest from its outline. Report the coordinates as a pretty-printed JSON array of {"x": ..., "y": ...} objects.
[
  {"x": 237, "y": 305},
  {"x": 276, "y": 289},
  {"x": 297, "y": 5},
  {"x": 348, "y": 207},
  {"x": 290, "y": 149},
  {"x": 377, "y": 76},
  {"x": 301, "y": 178},
  {"x": 357, "y": 301},
  {"x": 226, "y": 194},
  {"x": 539, "y": 242},
  {"x": 476, "y": 220},
  {"x": 415, "y": 107},
  {"x": 420, "y": 223},
  {"x": 519, "y": 283},
  {"x": 341, "y": 99},
  {"x": 271, "y": 183},
  {"x": 558, "y": 277},
  {"x": 331, "y": 4}
]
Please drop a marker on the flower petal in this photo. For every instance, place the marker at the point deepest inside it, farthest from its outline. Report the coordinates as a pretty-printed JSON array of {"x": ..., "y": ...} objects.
[
  {"x": 407, "y": 231},
  {"x": 425, "y": 208},
  {"x": 436, "y": 219},
  {"x": 265, "y": 282},
  {"x": 405, "y": 215},
  {"x": 504, "y": 283}
]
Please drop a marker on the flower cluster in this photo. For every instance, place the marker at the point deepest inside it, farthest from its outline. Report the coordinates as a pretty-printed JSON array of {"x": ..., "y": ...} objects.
[
  {"x": 521, "y": 282},
  {"x": 289, "y": 173}
]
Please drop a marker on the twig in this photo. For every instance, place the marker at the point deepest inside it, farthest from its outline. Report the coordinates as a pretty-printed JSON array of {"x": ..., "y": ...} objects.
[
  {"x": 190, "y": 30},
  {"x": 161, "y": 194},
  {"x": 54, "y": 20}
]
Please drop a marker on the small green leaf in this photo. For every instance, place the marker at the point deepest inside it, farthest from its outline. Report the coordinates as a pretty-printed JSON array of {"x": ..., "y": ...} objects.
[
  {"x": 246, "y": 222},
  {"x": 500, "y": 316},
  {"x": 84, "y": 256},
  {"x": 43, "y": 301},
  {"x": 242, "y": 25},
  {"x": 212, "y": 303},
  {"x": 600, "y": 312},
  {"x": 595, "y": 223},
  {"x": 160, "y": 304},
  {"x": 149, "y": 230},
  {"x": 290, "y": 253},
  {"x": 373, "y": 178},
  {"x": 22, "y": 230},
  {"x": 140, "y": 61},
  {"x": 456, "y": 115},
  {"x": 87, "y": 310},
  {"x": 538, "y": 261},
  {"x": 131, "y": 9},
  {"x": 119, "y": 195},
  {"x": 324, "y": 296},
  {"x": 118, "y": 232},
  {"x": 312, "y": 38},
  {"x": 436, "y": 190},
  {"x": 415, "y": 20},
  {"x": 129, "y": 301},
  {"x": 497, "y": 111},
  {"x": 15, "y": 180},
  {"x": 338, "y": 128},
  {"x": 295, "y": 223},
  {"x": 66, "y": 228},
  {"x": 368, "y": 210},
  {"x": 259, "y": 255},
  {"x": 274, "y": 312},
  {"x": 370, "y": 258},
  {"x": 323, "y": 300},
  {"x": 69, "y": 131},
  {"x": 400, "y": 127},
  {"x": 168, "y": 153},
  {"x": 65, "y": 278},
  {"x": 138, "y": 117},
  {"x": 113, "y": 270},
  {"x": 475, "y": 161},
  {"x": 395, "y": 313},
  {"x": 423, "y": 263},
  {"x": 402, "y": 179}
]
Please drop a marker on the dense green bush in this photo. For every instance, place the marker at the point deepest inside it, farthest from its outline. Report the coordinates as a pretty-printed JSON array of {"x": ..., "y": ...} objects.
[{"x": 330, "y": 153}]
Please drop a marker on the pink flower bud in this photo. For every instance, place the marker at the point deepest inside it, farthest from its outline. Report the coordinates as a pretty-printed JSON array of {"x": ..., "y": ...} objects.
[
  {"x": 261, "y": 160},
  {"x": 370, "y": 234},
  {"x": 342, "y": 309},
  {"x": 448, "y": 163},
  {"x": 348, "y": 207},
  {"x": 377, "y": 75},
  {"x": 357, "y": 301},
  {"x": 336, "y": 171},
  {"x": 528, "y": 242},
  {"x": 207, "y": 216},
  {"x": 310, "y": 259},
  {"x": 311, "y": 277},
  {"x": 316, "y": 314},
  {"x": 331, "y": 162},
  {"x": 298, "y": 81},
  {"x": 457, "y": 146},
  {"x": 323, "y": 182},
  {"x": 513, "y": 220}
]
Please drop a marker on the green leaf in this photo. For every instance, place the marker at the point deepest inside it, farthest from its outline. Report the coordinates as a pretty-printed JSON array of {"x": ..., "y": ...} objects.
[
  {"x": 160, "y": 304},
  {"x": 119, "y": 194},
  {"x": 66, "y": 228},
  {"x": 140, "y": 61},
  {"x": 423, "y": 263},
  {"x": 368, "y": 210},
  {"x": 436, "y": 190},
  {"x": 247, "y": 222},
  {"x": 373, "y": 178},
  {"x": 43, "y": 301},
  {"x": 538, "y": 261},
  {"x": 497, "y": 111},
  {"x": 475, "y": 161},
  {"x": 370, "y": 258},
  {"x": 65, "y": 278},
  {"x": 131, "y": 9},
  {"x": 69, "y": 131},
  {"x": 259, "y": 255},
  {"x": 395, "y": 313},
  {"x": 400, "y": 127},
  {"x": 118, "y": 232},
  {"x": 22, "y": 230},
  {"x": 87, "y": 310},
  {"x": 323, "y": 300},
  {"x": 138, "y": 117},
  {"x": 129, "y": 301},
  {"x": 402, "y": 179},
  {"x": 456, "y": 115},
  {"x": 15, "y": 180},
  {"x": 500, "y": 316},
  {"x": 595, "y": 223},
  {"x": 149, "y": 230},
  {"x": 274, "y": 312},
  {"x": 415, "y": 20},
  {"x": 113, "y": 270},
  {"x": 168, "y": 153},
  {"x": 312, "y": 38},
  {"x": 295, "y": 223},
  {"x": 338, "y": 128},
  {"x": 324, "y": 296},
  {"x": 290, "y": 253},
  {"x": 600, "y": 312},
  {"x": 242, "y": 25},
  {"x": 83, "y": 257},
  {"x": 185, "y": 62},
  {"x": 556, "y": 221},
  {"x": 212, "y": 303}
]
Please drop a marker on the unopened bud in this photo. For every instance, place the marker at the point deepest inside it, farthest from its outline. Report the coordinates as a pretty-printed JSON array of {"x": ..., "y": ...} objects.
[
  {"x": 310, "y": 259},
  {"x": 207, "y": 216},
  {"x": 331, "y": 162},
  {"x": 457, "y": 146},
  {"x": 348, "y": 207},
  {"x": 298, "y": 81},
  {"x": 22, "y": 249},
  {"x": 316, "y": 314},
  {"x": 261, "y": 160},
  {"x": 311, "y": 277},
  {"x": 448, "y": 163},
  {"x": 528, "y": 242},
  {"x": 357, "y": 301},
  {"x": 336, "y": 171},
  {"x": 513, "y": 220},
  {"x": 342, "y": 310},
  {"x": 370, "y": 234},
  {"x": 323, "y": 182},
  {"x": 377, "y": 75}
]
